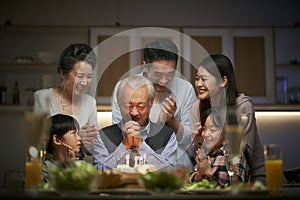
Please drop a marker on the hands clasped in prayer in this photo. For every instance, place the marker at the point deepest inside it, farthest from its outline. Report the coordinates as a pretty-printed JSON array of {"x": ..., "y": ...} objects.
[{"x": 132, "y": 135}]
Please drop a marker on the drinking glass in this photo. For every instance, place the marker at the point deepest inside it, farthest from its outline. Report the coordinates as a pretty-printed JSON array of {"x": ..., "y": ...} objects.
[
  {"x": 38, "y": 131},
  {"x": 282, "y": 90},
  {"x": 33, "y": 175},
  {"x": 235, "y": 144},
  {"x": 273, "y": 166}
]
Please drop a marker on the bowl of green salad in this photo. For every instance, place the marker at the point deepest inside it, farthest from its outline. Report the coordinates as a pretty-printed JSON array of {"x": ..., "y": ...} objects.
[{"x": 73, "y": 177}]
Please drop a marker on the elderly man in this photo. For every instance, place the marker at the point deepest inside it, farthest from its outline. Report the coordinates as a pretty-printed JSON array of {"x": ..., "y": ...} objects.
[
  {"x": 135, "y": 97},
  {"x": 174, "y": 96}
]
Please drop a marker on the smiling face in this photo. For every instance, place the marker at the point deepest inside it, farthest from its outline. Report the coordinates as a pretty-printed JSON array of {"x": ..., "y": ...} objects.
[
  {"x": 212, "y": 135},
  {"x": 79, "y": 78},
  {"x": 72, "y": 139},
  {"x": 135, "y": 105},
  {"x": 161, "y": 73},
  {"x": 206, "y": 85}
]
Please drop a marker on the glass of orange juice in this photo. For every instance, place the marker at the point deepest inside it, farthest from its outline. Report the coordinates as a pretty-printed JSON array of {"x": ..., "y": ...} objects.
[
  {"x": 33, "y": 167},
  {"x": 273, "y": 166},
  {"x": 33, "y": 175}
]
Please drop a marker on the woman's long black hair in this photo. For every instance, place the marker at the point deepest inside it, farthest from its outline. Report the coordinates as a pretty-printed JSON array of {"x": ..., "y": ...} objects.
[{"x": 224, "y": 68}]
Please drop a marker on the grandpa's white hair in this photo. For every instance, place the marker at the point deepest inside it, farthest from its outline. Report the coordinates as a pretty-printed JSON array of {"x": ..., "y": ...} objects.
[{"x": 134, "y": 83}]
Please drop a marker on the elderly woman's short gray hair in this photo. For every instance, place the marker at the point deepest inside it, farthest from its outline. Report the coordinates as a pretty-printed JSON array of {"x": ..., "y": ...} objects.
[{"x": 134, "y": 83}]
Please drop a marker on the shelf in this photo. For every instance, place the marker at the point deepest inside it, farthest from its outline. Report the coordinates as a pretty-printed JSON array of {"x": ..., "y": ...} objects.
[
  {"x": 14, "y": 108},
  {"x": 29, "y": 68},
  {"x": 44, "y": 30},
  {"x": 288, "y": 65},
  {"x": 18, "y": 108},
  {"x": 28, "y": 41},
  {"x": 277, "y": 107}
]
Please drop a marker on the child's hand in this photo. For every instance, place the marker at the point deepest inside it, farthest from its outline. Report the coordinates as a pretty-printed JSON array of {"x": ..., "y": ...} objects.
[
  {"x": 70, "y": 152},
  {"x": 197, "y": 133},
  {"x": 203, "y": 162},
  {"x": 72, "y": 155}
]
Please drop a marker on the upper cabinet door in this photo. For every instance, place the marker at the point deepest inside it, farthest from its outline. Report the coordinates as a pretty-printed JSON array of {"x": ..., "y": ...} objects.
[
  {"x": 120, "y": 53},
  {"x": 198, "y": 43},
  {"x": 253, "y": 58},
  {"x": 250, "y": 50}
]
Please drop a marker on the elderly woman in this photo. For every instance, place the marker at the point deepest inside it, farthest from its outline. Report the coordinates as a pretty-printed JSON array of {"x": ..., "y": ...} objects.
[{"x": 75, "y": 69}]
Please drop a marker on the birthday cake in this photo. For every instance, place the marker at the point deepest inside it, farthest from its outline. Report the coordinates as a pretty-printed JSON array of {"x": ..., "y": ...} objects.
[
  {"x": 135, "y": 164},
  {"x": 126, "y": 168},
  {"x": 137, "y": 169}
]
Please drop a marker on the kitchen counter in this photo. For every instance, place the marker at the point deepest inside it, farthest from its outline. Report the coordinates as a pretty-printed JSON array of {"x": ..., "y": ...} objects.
[
  {"x": 288, "y": 193},
  {"x": 107, "y": 107},
  {"x": 277, "y": 107},
  {"x": 257, "y": 107}
]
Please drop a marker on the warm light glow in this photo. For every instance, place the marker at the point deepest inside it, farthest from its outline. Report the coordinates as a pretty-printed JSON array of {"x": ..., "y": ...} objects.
[
  {"x": 104, "y": 118},
  {"x": 278, "y": 113}
]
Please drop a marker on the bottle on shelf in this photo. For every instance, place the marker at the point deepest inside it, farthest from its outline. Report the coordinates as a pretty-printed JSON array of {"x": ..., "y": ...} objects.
[
  {"x": 3, "y": 91},
  {"x": 282, "y": 90},
  {"x": 16, "y": 93}
]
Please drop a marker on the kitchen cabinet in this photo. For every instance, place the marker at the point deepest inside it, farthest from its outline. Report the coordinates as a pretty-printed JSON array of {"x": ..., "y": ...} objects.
[
  {"x": 250, "y": 50},
  {"x": 28, "y": 41},
  {"x": 287, "y": 55}
]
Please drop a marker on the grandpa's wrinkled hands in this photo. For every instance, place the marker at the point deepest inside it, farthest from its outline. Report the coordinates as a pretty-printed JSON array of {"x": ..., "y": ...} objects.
[{"x": 132, "y": 135}]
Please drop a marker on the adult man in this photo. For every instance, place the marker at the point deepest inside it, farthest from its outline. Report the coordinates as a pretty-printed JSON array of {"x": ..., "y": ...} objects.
[
  {"x": 135, "y": 97},
  {"x": 174, "y": 96}
]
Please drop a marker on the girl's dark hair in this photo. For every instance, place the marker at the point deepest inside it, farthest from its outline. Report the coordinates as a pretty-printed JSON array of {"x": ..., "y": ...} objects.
[
  {"x": 225, "y": 68},
  {"x": 204, "y": 116},
  {"x": 74, "y": 53},
  {"x": 217, "y": 116},
  {"x": 160, "y": 49},
  {"x": 60, "y": 124}
]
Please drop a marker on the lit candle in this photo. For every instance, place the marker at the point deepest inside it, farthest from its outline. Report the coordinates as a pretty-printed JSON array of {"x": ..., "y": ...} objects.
[
  {"x": 127, "y": 159},
  {"x": 140, "y": 160},
  {"x": 135, "y": 161},
  {"x": 144, "y": 159}
]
